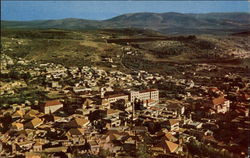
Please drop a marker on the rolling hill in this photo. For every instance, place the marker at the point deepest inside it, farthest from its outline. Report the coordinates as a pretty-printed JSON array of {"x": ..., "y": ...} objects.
[
  {"x": 129, "y": 49},
  {"x": 133, "y": 41},
  {"x": 169, "y": 23}
]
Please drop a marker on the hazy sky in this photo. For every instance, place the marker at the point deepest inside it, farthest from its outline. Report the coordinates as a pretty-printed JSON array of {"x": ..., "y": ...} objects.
[{"x": 99, "y": 10}]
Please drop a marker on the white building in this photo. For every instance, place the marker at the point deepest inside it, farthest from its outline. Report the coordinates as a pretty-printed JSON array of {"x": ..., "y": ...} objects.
[
  {"x": 52, "y": 106},
  {"x": 147, "y": 94},
  {"x": 115, "y": 97}
]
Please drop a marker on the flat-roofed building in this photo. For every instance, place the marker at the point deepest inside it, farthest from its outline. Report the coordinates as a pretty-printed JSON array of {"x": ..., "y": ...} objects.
[
  {"x": 147, "y": 94},
  {"x": 115, "y": 97}
]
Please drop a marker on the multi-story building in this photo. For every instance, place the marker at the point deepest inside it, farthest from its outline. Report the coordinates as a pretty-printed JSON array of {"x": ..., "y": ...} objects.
[
  {"x": 115, "y": 97},
  {"x": 147, "y": 94}
]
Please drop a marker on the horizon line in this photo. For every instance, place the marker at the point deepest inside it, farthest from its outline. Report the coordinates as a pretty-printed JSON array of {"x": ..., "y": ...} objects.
[{"x": 116, "y": 16}]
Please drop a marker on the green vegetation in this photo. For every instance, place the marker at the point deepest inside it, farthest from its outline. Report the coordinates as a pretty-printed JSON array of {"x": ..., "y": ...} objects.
[
  {"x": 66, "y": 48},
  {"x": 14, "y": 75},
  {"x": 89, "y": 48},
  {"x": 22, "y": 95},
  {"x": 207, "y": 151},
  {"x": 170, "y": 23},
  {"x": 143, "y": 151},
  {"x": 42, "y": 34}
]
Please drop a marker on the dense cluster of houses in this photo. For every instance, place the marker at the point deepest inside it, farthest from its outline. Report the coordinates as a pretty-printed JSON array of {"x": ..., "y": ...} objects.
[{"x": 111, "y": 113}]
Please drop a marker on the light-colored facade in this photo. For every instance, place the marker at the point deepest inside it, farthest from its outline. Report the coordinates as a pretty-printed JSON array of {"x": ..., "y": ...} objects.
[
  {"x": 219, "y": 105},
  {"x": 222, "y": 108},
  {"x": 114, "y": 98},
  {"x": 52, "y": 109},
  {"x": 52, "y": 106},
  {"x": 147, "y": 94}
]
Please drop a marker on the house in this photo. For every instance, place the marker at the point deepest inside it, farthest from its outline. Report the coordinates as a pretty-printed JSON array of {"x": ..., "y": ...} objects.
[
  {"x": 52, "y": 118},
  {"x": 31, "y": 114},
  {"x": 87, "y": 103},
  {"x": 34, "y": 123},
  {"x": 218, "y": 105},
  {"x": 75, "y": 132},
  {"x": 18, "y": 114},
  {"x": 26, "y": 145},
  {"x": 105, "y": 103},
  {"x": 172, "y": 124},
  {"x": 152, "y": 112},
  {"x": 169, "y": 147},
  {"x": 114, "y": 123},
  {"x": 75, "y": 135},
  {"x": 113, "y": 135},
  {"x": 113, "y": 113},
  {"x": 94, "y": 147},
  {"x": 175, "y": 107},
  {"x": 195, "y": 125},
  {"x": 17, "y": 126},
  {"x": 37, "y": 147},
  {"x": 169, "y": 137},
  {"x": 52, "y": 106},
  {"x": 77, "y": 123}
]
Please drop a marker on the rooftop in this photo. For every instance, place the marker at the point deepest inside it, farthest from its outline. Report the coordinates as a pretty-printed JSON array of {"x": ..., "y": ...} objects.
[
  {"x": 148, "y": 90},
  {"x": 52, "y": 103},
  {"x": 219, "y": 100}
]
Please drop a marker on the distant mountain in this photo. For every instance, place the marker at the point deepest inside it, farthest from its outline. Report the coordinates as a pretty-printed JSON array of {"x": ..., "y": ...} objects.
[
  {"x": 170, "y": 23},
  {"x": 69, "y": 23}
]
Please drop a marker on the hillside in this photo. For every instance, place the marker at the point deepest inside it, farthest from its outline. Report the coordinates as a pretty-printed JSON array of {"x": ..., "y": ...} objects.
[
  {"x": 169, "y": 23},
  {"x": 124, "y": 49}
]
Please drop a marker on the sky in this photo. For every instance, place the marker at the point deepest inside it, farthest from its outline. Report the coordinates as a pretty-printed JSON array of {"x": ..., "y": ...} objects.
[{"x": 100, "y": 10}]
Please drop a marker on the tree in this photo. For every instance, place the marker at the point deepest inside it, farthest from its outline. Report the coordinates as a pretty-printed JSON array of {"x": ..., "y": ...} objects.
[{"x": 142, "y": 151}]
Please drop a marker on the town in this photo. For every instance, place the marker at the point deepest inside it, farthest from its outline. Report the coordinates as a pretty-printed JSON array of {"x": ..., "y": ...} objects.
[{"x": 49, "y": 110}]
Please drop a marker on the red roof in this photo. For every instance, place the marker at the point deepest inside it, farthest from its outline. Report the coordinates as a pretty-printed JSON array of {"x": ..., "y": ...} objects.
[
  {"x": 219, "y": 100},
  {"x": 148, "y": 90},
  {"x": 52, "y": 103},
  {"x": 116, "y": 95}
]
